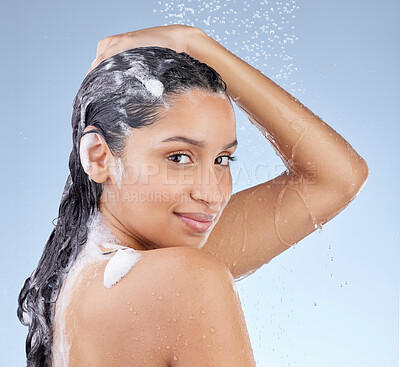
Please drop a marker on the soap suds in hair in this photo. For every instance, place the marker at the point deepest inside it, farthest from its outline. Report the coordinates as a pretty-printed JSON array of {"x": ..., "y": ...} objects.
[
  {"x": 126, "y": 129},
  {"x": 123, "y": 82},
  {"x": 154, "y": 86},
  {"x": 84, "y": 104}
]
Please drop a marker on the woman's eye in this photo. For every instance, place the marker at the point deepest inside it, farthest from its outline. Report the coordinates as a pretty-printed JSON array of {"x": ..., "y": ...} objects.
[
  {"x": 182, "y": 158},
  {"x": 225, "y": 159},
  {"x": 176, "y": 157}
]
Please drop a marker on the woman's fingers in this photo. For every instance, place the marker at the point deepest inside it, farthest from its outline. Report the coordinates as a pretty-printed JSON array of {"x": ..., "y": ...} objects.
[
  {"x": 103, "y": 55},
  {"x": 173, "y": 36},
  {"x": 111, "y": 47},
  {"x": 105, "y": 43},
  {"x": 102, "y": 45}
]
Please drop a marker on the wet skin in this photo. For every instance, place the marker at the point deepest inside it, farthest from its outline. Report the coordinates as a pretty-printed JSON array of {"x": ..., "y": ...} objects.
[
  {"x": 196, "y": 181},
  {"x": 157, "y": 182}
]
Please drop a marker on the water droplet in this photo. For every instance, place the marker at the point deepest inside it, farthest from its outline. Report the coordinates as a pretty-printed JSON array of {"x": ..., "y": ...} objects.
[
  {"x": 160, "y": 297},
  {"x": 204, "y": 337},
  {"x": 212, "y": 330}
]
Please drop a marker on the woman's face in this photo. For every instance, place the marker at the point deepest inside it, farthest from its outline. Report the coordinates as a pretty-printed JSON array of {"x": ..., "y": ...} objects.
[{"x": 177, "y": 165}]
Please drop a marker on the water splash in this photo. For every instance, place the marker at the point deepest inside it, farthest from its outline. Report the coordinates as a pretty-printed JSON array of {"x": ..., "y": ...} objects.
[{"x": 260, "y": 32}]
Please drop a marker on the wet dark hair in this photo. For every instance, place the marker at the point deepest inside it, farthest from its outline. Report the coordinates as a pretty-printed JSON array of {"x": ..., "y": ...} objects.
[{"x": 121, "y": 93}]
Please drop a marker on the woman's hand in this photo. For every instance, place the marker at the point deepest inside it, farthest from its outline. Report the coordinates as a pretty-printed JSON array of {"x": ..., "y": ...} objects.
[{"x": 175, "y": 37}]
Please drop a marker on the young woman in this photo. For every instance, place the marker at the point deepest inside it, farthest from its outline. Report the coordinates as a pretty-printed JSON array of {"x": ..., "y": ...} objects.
[{"x": 140, "y": 268}]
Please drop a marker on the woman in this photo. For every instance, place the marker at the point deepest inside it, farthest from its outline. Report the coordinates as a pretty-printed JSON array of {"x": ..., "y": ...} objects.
[{"x": 140, "y": 267}]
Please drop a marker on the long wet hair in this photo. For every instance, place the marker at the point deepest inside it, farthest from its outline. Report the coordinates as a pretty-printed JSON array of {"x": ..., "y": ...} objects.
[{"x": 124, "y": 92}]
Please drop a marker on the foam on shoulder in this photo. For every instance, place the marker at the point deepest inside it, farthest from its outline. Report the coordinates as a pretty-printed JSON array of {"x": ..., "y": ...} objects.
[{"x": 120, "y": 265}]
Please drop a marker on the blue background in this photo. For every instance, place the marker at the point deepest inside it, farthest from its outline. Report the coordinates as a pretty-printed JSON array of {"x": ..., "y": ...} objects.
[{"x": 331, "y": 300}]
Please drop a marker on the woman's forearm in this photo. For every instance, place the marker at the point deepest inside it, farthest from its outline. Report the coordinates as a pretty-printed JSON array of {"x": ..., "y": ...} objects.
[{"x": 302, "y": 139}]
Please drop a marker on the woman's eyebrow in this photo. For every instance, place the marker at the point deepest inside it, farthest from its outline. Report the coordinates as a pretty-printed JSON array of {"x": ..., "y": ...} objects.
[{"x": 194, "y": 142}]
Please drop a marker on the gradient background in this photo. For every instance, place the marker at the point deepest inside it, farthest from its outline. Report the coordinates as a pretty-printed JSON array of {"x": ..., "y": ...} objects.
[{"x": 331, "y": 300}]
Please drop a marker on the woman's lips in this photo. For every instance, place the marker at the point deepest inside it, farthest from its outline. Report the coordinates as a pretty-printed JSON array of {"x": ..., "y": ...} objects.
[{"x": 197, "y": 225}]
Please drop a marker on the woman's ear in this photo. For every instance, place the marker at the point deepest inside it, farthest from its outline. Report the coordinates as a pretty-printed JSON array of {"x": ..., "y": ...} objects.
[{"x": 94, "y": 155}]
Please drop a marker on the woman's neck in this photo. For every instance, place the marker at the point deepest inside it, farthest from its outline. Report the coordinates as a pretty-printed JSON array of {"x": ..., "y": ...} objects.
[{"x": 122, "y": 234}]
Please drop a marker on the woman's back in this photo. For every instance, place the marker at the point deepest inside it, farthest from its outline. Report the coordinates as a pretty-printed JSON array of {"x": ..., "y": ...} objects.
[{"x": 175, "y": 307}]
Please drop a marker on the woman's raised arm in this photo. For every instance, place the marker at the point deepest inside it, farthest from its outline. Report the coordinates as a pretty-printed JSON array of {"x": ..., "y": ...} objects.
[{"x": 324, "y": 173}]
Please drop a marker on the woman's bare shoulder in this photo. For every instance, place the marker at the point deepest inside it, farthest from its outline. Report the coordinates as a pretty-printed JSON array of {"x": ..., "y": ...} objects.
[
  {"x": 149, "y": 310},
  {"x": 147, "y": 274}
]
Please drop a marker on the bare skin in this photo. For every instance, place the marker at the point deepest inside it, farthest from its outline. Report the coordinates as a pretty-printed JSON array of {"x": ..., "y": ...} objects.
[
  {"x": 196, "y": 289},
  {"x": 176, "y": 307},
  {"x": 324, "y": 173},
  {"x": 251, "y": 227},
  {"x": 158, "y": 183}
]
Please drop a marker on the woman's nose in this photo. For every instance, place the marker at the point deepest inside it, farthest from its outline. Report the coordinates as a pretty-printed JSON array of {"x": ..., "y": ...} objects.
[{"x": 208, "y": 187}]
